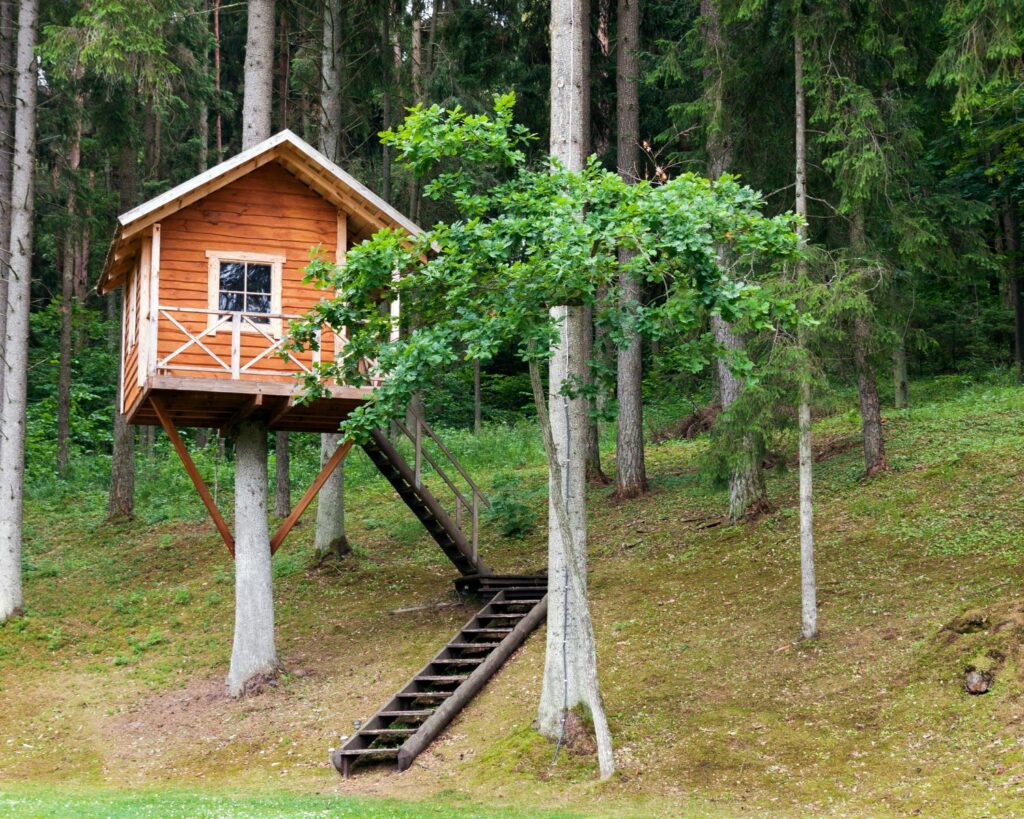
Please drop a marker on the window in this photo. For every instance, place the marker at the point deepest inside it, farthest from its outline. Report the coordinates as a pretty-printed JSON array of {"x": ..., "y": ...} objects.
[{"x": 248, "y": 283}]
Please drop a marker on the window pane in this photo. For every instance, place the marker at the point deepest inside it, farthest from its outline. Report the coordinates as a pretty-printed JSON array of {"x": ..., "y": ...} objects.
[
  {"x": 232, "y": 276},
  {"x": 257, "y": 304},
  {"x": 259, "y": 278},
  {"x": 230, "y": 301}
]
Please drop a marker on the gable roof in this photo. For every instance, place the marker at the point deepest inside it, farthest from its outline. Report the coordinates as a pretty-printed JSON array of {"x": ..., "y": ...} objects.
[{"x": 367, "y": 211}]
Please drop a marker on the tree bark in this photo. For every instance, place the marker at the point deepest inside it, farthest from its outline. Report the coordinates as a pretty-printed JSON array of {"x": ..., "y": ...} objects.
[
  {"x": 15, "y": 361},
  {"x": 253, "y": 655},
  {"x": 7, "y": 77},
  {"x": 282, "y": 476},
  {"x": 808, "y": 582},
  {"x": 283, "y": 67},
  {"x": 258, "y": 95},
  {"x": 331, "y": 73},
  {"x": 570, "y": 664},
  {"x": 867, "y": 384},
  {"x": 900, "y": 378},
  {"x": 216, "y": 78},
  {"x": 330, "y": 510},
  {"x": 69, "y": 270},
  {"x": 747, "y": 492},
  {"x": 630, "y": 469},
  {"x": 593, "y": 464}
]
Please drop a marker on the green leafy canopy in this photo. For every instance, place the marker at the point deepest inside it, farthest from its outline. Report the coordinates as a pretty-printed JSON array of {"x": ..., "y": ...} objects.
[{"x": 528, "y": 239}]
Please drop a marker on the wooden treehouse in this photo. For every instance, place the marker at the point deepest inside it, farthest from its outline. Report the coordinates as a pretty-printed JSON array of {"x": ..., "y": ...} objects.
[{"x": 212, "y": 273}]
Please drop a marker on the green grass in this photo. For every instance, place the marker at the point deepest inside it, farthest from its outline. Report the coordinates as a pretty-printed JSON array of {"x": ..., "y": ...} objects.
[
  {"x": 170, "y": 804},
  {"x": 110, "y": 685}
]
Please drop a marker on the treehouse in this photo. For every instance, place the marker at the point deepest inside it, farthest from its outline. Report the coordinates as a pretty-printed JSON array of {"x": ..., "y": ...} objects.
[{"x": 212, "y": 272}]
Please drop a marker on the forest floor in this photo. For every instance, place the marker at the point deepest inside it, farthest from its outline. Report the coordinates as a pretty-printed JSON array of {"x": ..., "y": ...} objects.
[{"x": 111, "y": 694}]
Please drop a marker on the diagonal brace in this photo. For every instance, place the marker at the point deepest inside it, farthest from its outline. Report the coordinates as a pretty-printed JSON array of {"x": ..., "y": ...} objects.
[
  {"x": 307, "y": 499},
  {"x": 193, "y": 473}
]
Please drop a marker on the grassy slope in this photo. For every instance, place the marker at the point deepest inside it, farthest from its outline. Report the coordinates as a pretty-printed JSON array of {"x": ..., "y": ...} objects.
[{"x": 113, "y": 678}]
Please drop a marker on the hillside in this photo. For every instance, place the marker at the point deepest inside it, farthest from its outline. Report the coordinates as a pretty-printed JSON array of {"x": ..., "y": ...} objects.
[{"x": 114, "y": 677}]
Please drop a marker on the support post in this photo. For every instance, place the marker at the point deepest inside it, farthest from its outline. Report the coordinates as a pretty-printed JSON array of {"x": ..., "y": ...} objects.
[
  {"x": 288, "y": 523},
  {"x": 193, "y": 473}
]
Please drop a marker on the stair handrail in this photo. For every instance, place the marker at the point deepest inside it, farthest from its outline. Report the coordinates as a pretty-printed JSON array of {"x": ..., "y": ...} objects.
[{"x": 420, "y": 425}]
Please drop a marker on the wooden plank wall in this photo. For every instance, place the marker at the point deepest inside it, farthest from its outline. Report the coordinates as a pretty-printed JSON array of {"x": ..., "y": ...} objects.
[
  {"x": 268, "y": 211},
  {"x": 129, "y": 344}
]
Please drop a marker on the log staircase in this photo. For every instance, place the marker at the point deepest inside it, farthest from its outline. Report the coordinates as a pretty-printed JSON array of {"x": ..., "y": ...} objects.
[
  {"x": 515, "y": 605},
  {"x": 417, "y": 714}
]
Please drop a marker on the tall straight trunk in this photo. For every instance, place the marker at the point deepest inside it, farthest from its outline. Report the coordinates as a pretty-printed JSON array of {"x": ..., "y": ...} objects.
[
  {"x": 630, "y": 469},
  {"x": 593, "y": 461},
  {"x": 900, "y": 378},
  {"x": 219, "y": 128},
  {"x": 570, "y": 662},
  {"x": 418, "y": 98},
  {"x": 258, "y": 95},
  {"x": 808, "y": 582},
  {"x": 390, "y": 73},
  {"x": 121, "y": 498},
  {"x": 330, "y": 510},
  {"x": 1011, "y": 245},
  {"x": 69, "y": 270},
  {"x": 15, "y": 361},
  {"x": 331, "y": 66},
  {"x": 283, "y": 66},
  {"x": 282, "y": 476},
  {"x": 477, "y": 409},
  {"x": 867, "y": 383},
  {"x": 203, "y": 109},
  {"x": 747, "y": 492},
  {"x": 7, "y": 75},
  {"x": 253, "y": 655}
]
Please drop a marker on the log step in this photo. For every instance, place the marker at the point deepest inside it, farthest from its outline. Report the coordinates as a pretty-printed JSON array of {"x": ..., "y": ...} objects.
[
  {"x": 440, "y": 678},
  {"x": 420, "y": 712}
]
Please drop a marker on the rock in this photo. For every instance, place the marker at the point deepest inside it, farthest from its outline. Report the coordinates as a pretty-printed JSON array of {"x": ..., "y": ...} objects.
[{"x": 977, "y": 682}]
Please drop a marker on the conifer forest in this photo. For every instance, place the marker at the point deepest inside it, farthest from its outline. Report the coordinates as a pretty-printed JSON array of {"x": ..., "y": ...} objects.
[{"x": 511, "y": 408}]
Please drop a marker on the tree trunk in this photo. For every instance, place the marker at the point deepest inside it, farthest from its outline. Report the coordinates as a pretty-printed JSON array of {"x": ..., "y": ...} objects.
[
  {"x": 1011, "y": 244},
  {"x": 570, "y": 664},
  {"x": 15, "y": 361},
  {"x": 253, "y": 656},
  {"x": 330, "y": 89},
  {"x": 900, "y": 379},
  {"x": 282, "y": 476},
  {"x": 330, "y": 509},
  {"x": 121, "y": 499},
  {"x": 867, "y": 384},
  {"x": 631, "y": 472},
  {"x": 7, "y": 75},
  {"x": 69, "y": 269},
  {"x": 747, "y": 493},
  {"x": 593, "y": 464},
  {"x": 216, "y": 79},
  {"x": 258, "y": 96},
  {"x": 283, "y": 66},
  {"x": 477, "y": 409},
  {"x": 808, "y": 582}
]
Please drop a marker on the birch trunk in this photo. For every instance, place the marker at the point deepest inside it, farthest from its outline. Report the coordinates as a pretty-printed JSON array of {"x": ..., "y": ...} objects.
[
  {"x": 808, "y": 583},
  {"x": 282, "y": 476},
  {"x": 7, "y": 75},
  {"x": 570, "y": 665},
  {"x": 258, "y": 95},
  {"x": 630, "y": 469},
  {"x": 253, "y": 656},
  {"x": 15, "y": 361},
  {"x": 330, "y": 509}
]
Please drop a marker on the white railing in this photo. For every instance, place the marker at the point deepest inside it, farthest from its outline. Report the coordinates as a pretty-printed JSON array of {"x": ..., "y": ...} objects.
[{"x": 265, "y": 328}]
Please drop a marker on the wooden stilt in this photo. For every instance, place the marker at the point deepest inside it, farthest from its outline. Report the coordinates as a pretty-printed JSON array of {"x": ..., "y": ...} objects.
[
  {"x": 307, "y": 499},
  {"x": 193, "y": 473}
]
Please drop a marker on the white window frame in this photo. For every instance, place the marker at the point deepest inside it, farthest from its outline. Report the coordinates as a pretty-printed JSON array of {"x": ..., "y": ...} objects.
[{"x": 214, "y": 259}]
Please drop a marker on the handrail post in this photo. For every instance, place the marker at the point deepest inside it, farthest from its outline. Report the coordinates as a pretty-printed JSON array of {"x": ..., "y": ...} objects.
[
  {"x": 418, "y": 442},
  {"x": 236, "y": 343},
  {"x": 476, "y": 524}
]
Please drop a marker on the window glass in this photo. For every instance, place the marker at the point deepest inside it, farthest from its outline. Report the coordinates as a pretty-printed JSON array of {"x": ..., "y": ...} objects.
[
  {"x": 258, "y": 279},
  {"x": 259, "y": 303},
  {"x": 232, "y": 276},
  {"x": 230, "y": 301}
]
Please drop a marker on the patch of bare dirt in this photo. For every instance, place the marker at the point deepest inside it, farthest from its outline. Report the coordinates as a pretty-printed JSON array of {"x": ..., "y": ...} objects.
[{"x": 700, "y": 420}]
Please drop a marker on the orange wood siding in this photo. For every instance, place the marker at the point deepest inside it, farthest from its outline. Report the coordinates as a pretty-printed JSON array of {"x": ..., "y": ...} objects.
[
  {"x": 266, "y": 212},
  {"x": 130, "y": 367}
]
